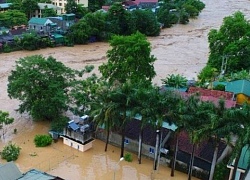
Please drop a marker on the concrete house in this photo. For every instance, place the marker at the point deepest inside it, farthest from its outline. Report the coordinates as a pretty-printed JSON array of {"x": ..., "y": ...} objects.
[
  {"x": 241, "y": 90},
  {"x": 40, "y": 24},
  {"x": 62, "y": 3},
  {"x": 78, "y": 134},
  {"x": 39, "y": 12}
]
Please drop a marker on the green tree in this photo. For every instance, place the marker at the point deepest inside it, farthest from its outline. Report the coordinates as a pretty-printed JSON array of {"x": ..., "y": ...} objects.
[
  {"x": 29, "y": 41},
  {"x": 15, "y": 4},
  {"x": 12, "y": 18},
  {"x": 229, "y": 46},
  {"x": 97, "y": 22},
  {"x": 143, "y": 110},
  {"x": 104, "y": 110},
  {"x": 194, "y": 113},
  {"x": 129, "y": 59},
  {"x": 80, "y": 32},
  {"x": 241, "y": 130},
  {"x": 217, "y": 126},
  {"x": 95, "y": 5},
  {"x": 48, "y": 12},
  {"x": 29, "y": 7},
  {"x": 146, "y": 22},
  {"x": 80, "y": 11},
  {"x": 120, "y": 21},
  {"x": 5, "y": 120},
  {"x": 41, "y": 85},
  {"x": 10, "y": 152},
  {"x": 207, "y": 75},
  {"x": 167, "y": 16},
  {"x": 176, "y": 81},
  {"x": 71, "y": 7}
]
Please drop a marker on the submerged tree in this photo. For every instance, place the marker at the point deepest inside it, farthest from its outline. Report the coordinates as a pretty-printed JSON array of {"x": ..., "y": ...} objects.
[
  {"x": 5, "y": 120},
  {"x": 41, "y": 84}
]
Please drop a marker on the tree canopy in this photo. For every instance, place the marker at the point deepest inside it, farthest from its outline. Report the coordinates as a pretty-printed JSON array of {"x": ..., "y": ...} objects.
[
  {"x": 41, "y": 84},
  {"x": 12, "y": 18},
  {"x": 129, "y": 59},
  {"x": 230, "y": 44}
]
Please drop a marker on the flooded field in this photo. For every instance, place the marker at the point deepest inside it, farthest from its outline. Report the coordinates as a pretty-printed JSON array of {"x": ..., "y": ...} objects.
[{"x": 182, "y": 49}]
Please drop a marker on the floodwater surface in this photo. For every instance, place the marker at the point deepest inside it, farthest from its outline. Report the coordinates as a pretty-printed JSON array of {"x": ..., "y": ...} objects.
[{"x": 182, "y": 49}]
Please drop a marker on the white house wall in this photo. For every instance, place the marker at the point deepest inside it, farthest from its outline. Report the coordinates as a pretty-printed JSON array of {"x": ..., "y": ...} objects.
[{"x": 77, "y": 145}]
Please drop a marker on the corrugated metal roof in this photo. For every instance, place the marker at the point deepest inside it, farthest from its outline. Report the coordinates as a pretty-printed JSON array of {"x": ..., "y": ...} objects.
[
  {"x": 9, "y": 171},
  {"x": 5, "y": 5},
  {"x": 239, "y": 87},
  {"x": 244, "y": 157},
  {"x": 34, "y": 174},
  {"x": 39, "y": 21}
]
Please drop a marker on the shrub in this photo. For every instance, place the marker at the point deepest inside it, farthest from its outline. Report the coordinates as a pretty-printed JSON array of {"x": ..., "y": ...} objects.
[
  {"x": 220, "y": 87},
  {"x": 128, "y": 157},
  {"x": 10, "y": 152},
  {"x": 42, "y": 140}
]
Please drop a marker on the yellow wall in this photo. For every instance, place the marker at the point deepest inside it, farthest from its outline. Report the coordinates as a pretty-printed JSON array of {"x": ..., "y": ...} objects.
[{"x": 241, "y": 98}]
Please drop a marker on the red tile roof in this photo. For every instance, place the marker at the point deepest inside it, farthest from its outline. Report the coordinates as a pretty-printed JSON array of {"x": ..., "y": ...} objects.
[{"x": 213, "y": 93}]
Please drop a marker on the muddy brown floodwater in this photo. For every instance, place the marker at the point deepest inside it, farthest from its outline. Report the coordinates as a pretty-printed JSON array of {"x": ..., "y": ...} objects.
[{"x": 182, "y": 49}]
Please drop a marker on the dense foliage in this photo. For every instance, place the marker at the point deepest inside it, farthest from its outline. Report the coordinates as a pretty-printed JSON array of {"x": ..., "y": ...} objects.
[
  {"x": 13, "y": 17},
  {"x": 230, "y": 44},
  {"x": 42, "y": 140},
  {"x": 10, "y": 152},
  {"x": 5, "y": 120},
  {"x": 129, "y": 59},
  {"x": 41, "y": 84},
  {"x": 176, "y": 81},
  {"x": 80, "y": 32}
]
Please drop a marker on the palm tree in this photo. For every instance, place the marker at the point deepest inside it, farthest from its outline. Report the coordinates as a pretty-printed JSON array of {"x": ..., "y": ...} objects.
[
  {"x": 241, "y": 129},
  {"x": 165, "y": 111},
  {"x": 217, "y": 127},
  {"x": 143, "y": 111},
  {"x": 176, "y": 81},
  {"x": 122, "y": 99},
  {"x": 193, "y": 115},
  {"x": 103, "y": 109}
]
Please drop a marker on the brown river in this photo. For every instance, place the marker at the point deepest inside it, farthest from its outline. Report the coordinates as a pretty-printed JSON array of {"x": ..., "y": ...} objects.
[{"x": 182, "y": 49}]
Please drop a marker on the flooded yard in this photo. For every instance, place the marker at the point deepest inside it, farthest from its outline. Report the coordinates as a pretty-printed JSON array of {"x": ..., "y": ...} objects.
[{"x": 182, "y": 49}]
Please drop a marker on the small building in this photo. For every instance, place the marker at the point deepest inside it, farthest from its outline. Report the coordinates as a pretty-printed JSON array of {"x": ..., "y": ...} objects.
[
  {"x": 243, "y": 164},
  {"x": 4, "y": 6},
  {"x": 9, "y": 171},
  {"x": 241, "y": 89},
  {"x": 42, "y": 6},
  {"x": 78, "y": 134},
  {"x": 62, "y": 3},
  {"x": 69, "y": 19},
  {"x": 40, "y": 24}
]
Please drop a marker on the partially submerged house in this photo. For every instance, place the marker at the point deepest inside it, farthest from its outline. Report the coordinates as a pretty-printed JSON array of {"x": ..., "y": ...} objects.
[
  {"x": 243, "y": 164},
  {"x": 78, "y": 134}
]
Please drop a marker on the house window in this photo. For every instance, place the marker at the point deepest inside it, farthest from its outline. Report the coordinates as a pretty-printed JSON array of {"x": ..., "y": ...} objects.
[
  {"x": 60, "y": 4},
  {"x": 71, "y": 144},
  {"x": 126, "y": 141},
  {"x": 77, "y": 146},
  {"x": 151, "y": 150}
]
